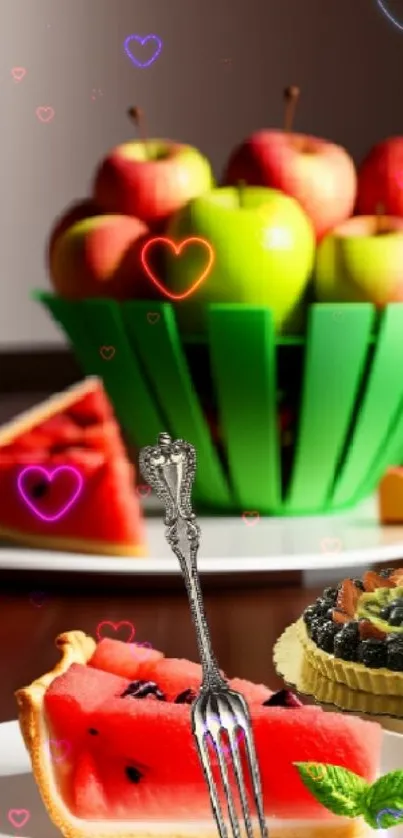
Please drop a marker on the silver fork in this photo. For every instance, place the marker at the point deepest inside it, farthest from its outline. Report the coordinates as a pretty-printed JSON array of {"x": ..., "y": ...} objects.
[{"x": 169, "y": 468}]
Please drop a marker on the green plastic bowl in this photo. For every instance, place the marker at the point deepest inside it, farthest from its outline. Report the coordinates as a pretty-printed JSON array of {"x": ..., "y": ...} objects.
[{"x": 346, "y": 378}]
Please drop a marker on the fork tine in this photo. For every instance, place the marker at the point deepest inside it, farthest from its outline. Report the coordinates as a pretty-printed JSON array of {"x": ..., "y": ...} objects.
[
  {"x": 227, "y": 786},
  {"x": 256, "y": 781},
  {"x": 236, "y": 761},
  {"x": 202, "y": 748}
]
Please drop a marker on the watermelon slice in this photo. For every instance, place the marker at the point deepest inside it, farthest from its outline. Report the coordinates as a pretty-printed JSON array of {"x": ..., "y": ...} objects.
[
  {"x": 65, "y": 480},
  {"x": 131, "y": 768}
]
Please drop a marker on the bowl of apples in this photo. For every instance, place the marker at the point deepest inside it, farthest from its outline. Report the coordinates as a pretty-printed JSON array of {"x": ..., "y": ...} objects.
[{"x": 258, "y": 319}]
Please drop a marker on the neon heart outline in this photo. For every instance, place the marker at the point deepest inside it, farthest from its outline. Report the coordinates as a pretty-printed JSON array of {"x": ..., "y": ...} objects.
[
  {"x": 335, "y": 545},
  {"x": 15, "y": 823},
  {"x": 388, "y": 14},
  {"x": 251, "y": 517},
  {"x": 109, "y": 356},
  {"x": 36, "y": 603},
  {"x": 18, "y": 73},
  {"x": 319, "y": 776},
  {"x": 225, "y": 750},
  {"x": 58, "y": 743},
  {"x": 50, "y": 475},
  {"x": 394, "y": 813},
  {"x": 177, "y": 248},
  {"x": 142, "y": 41},
  {"x": 144, "y": 494},
  {"x": 45, "y": 108},
  {"x": 115, "y": 627}
]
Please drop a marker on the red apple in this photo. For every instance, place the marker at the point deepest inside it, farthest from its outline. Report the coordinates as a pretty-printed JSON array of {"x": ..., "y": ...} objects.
[
  {"x": 319, "y": 174},
  {"x": 86, "y": 208},
  {"x": 151, "y": 188},
  {"x": 101, "y": 257},
  {"x": 151, "y": 179},
  {"x": 380, "y": 179}
]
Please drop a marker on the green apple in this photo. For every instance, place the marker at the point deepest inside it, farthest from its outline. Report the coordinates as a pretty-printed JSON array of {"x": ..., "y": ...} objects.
[
  {"x": 263, "y": 246},
  {"x": 362, "y": 261}
]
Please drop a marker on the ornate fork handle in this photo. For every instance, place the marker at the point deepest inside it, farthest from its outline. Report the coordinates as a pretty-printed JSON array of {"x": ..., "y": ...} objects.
[{"x": 157, "y": 464}]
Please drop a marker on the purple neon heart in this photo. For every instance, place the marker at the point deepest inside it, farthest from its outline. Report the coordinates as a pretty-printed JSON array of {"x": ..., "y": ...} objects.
[
  {"x": 49, "y": 476},
  {"x": 142, "y": 41}
]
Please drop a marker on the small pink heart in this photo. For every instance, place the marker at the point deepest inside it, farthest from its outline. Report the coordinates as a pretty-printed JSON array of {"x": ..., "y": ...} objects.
[
  {"x": 143, "y": 491},
  {"x": 59, "y": 749},
  {"x": 18, "y": 73},
  {"x": 38, "y": 598},
  {"x": 251, "y": 518},
  {"x": 224, "y": 747},
  {"x": 227, "y": 63},
  {"x": 45, "y": 114},
  {"x": 115, "y": 627},
  {"x": 330, "y": 546},
  {"x": 153, "y": 317},
  {"x": 107, "y": 352},
  {"x": 18, "y": 817}
]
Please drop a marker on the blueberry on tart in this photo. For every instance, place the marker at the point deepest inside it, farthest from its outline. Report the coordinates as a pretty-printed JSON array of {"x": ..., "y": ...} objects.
[{"x": 353, "y": 634}]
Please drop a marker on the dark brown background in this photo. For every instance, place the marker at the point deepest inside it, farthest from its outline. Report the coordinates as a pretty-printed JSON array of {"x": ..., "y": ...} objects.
[{"x": 220, "y": 77}]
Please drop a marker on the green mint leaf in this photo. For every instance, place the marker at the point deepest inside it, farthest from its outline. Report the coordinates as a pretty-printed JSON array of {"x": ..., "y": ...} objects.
[
  {"x": 383, "y": 801},
  {"x": 338, "y": 789}
]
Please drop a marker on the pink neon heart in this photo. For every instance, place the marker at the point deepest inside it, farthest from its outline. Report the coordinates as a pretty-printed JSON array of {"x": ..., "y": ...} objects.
[
  {"x": 45, "y": 113},
  {"x": 331, "y": 545},
  {"x": 18, "y": 817},
  {"x": 115, "y": 627},
  {"x": 59, "y": 749},
  {"x": 18, "y": 73},
  {"x": 49, "y": 475},
  {"x": 143, "y": 491}
]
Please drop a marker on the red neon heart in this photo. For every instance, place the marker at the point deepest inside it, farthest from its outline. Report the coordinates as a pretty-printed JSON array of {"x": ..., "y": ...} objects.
[
  {"x": 177, "y": 248},
  {"x": 115, "y": 627}
]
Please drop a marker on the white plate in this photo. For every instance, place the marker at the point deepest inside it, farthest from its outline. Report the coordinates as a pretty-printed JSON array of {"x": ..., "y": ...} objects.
[
  {"x": 232, "y": 545},
  {"x": 19, "y": 792}
]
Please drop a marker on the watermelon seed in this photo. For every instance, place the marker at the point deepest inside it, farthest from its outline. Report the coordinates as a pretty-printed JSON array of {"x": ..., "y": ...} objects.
[
  {"x": 142, "y": 689},
  {"x": 93, "y": 732},
  {"x": 39, "y": 490},
  {"x": 282, "y": 698},
  {"x": 187, "y": 697},
  {"x": 133, "y": 774}
]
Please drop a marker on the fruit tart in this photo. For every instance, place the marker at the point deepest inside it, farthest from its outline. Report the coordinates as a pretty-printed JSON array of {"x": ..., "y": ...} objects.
[
  {"x": 353, "y": 634},
  {"x": 109, "y": 735}
]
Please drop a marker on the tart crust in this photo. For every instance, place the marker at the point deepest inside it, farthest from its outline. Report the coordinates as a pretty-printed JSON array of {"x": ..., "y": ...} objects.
[
  {"x": 355, "y": 675},
  {"x": 77, "y": 647}
]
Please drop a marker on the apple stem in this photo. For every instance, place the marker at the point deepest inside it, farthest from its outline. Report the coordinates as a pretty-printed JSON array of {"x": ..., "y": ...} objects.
[
  {"x": 291, "y": 96},
  {"x": 137, "y": 115}
]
